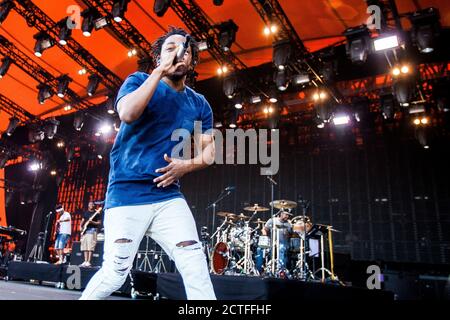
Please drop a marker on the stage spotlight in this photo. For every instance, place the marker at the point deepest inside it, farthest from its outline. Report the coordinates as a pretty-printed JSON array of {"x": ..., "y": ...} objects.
[
  {"x": 132, "y": 53},
  {"x": 82, "y": 71},
  {"x": 405, "y": 69},
  {"x": 324, "y": 112},
  {"x": 416, "y": 121},
  {"x": 417, "y": 108},
  {"x": 255, "y": 99},
  {"x": 425, "y": 29},
  {"x": 273, "y": 95},
  {"x": 70, "y": 153},
  {"x": 424, "y": 120},
  {"x": 358, "y": 43},
  {"x": 45, "y": 92},
  {"x": 320, "y": 95},
  {"x": 105, "y": 128},
  {"x": 421, "y": 136},
  {"x": 230, "y": 84},
  {"x": 43, "y": 42},
  {"x": 403, "y": 90},
  {"x": 67, "y": 108},
  {"x": 4, "y": 157},
  {"x": 232, "y": 119},
  {"x": 63, "y": 84},
  {"x": 93, "y": 84},
  {"x": 35, "y": 135},
  {"x": 110, "y": 106},
  {"x": 118, "y": 10},
  {"x": 78, "y": 121},
  {"x": 100, "y": 23},
  {"x": 60, "y": 144},
  {"x": 341, "y": 119},
  {"x": 13, "y": 123},
  {"x": 5, "y": 8},
  {"x": 4, "y": 67},
  {"x": 64, "y": 32},
  {"x": 160, "y": 7},
  {"x": 301, "y": 78},
  {"x": 217, "y": 2},
  {"x": 203, "y": 46},
  {"x": 386, "y": 42},
  {"x": 88, "y": 23},
  {"x": 282, "y": 51},
  {"x": 387, "y": 105},
  {"x": 238, "y": 101},
  {"x": 281, "y": 80},
  {"x": 53, "y": 173},
  {"x": 35, "y": 166},
  {"x": 222, "y": 70},
  {"x": 401, "y": 70},
  {"x": 227, "y": 34},
  {"x": 51, "y": 127}
]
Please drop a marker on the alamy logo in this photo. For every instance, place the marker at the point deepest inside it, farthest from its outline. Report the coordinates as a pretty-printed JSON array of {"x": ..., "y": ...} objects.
[
  {"x": 235, "y": 147},
  {"x": 74, "y": 280},
  {"x": 74, "y": 19},
  {"x": 374, "y": 21},
  {"x": 374, "y": 280}
]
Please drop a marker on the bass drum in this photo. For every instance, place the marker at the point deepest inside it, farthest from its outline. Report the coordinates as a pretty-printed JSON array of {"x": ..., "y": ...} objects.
[{"x": 220, "y": 258}]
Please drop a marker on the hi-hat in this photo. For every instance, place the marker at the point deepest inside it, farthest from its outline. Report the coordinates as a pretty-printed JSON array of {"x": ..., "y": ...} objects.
[
  {"x": 284, "y": 204},
  {"x": 256, "y": 207}
]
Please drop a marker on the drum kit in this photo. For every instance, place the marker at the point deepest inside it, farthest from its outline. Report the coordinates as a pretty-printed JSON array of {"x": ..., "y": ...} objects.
[{"x": 233, "y": 247}]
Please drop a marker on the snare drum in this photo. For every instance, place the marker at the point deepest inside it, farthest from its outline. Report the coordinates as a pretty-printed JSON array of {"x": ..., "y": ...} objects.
[
  {"x": 220, "y": 257},
  {"x": 264, "y": 242}
]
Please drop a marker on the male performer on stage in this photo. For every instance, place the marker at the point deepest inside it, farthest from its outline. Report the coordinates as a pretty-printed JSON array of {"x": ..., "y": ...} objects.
[
  {"x": 64, "y": 227},
  {"x": 89, "y": 225},
  {"x": 143, "y": 193}
]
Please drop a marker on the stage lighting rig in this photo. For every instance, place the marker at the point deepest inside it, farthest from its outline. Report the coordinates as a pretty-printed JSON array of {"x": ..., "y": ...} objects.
[
  {"x": 44, "y": 92},
  {"x": 282, "y": 51},
  {"x": 93, "y": 84},
  {"x": 160, "y": 7},
  {"x": 4, "y": 67},
  {"x": 43, "y": 42},
  {"x": 425, "y": 29},
  {"x": 5, "y": 8},
  {"x": 227, "y": 34},
  {"x": 118, "y": 10},
  {"x": 358, "y": 43},
  {"x": 13, "y": 123},
  {"x": 63, "y": 85}
]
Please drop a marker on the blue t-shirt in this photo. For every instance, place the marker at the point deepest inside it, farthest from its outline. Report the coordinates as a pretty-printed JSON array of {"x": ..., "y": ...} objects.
[{"x": 139, "y": 147}]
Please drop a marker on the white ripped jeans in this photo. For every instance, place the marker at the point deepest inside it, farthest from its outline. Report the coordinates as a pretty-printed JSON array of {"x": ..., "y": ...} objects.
[{"x": 172, "y": 226}]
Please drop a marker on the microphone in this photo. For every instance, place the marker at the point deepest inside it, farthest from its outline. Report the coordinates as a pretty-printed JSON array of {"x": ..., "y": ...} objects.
[
  {"x": 271, "y": 180},
  {"x": 230, "y": 188},
  {"x": 182, "y": 50}
]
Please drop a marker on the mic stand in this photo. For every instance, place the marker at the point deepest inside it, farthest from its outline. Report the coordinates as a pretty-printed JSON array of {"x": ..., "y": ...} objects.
[
  {"x": 221, "y": 196},
  {"x": 46, "y": 231},
  {"x": 272, "y": 214}
]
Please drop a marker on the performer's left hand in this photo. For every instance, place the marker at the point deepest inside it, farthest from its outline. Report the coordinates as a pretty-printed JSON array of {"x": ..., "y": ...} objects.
[{"x": 172, "y": 172}]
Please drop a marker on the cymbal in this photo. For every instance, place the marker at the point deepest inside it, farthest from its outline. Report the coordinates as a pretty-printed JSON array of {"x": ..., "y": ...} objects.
[
  {"x": 256, "y": 207},
  {"x": 226, "y": 214},
  {"x": 242, "y": 217},
  {"x": 284, "y": 204}
]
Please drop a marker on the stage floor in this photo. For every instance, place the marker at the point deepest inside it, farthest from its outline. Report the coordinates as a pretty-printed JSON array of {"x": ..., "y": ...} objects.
[{"x": 14, "y": 290}]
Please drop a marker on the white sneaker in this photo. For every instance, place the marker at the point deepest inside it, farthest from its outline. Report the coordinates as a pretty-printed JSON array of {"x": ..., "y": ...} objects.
[{"x": 82, "y": 265}]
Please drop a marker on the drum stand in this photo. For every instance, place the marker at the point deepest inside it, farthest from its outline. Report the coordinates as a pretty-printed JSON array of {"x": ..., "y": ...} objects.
[
  {"x": 302, "y": 266},
  {"x": 247, "y": 260},
  {"x": 333, "y": 277},
  {"x": 145, "y": 263}
]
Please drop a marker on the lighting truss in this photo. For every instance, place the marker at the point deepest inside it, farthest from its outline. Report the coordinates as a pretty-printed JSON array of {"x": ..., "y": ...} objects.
[{"x": 35, "y": 17}]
